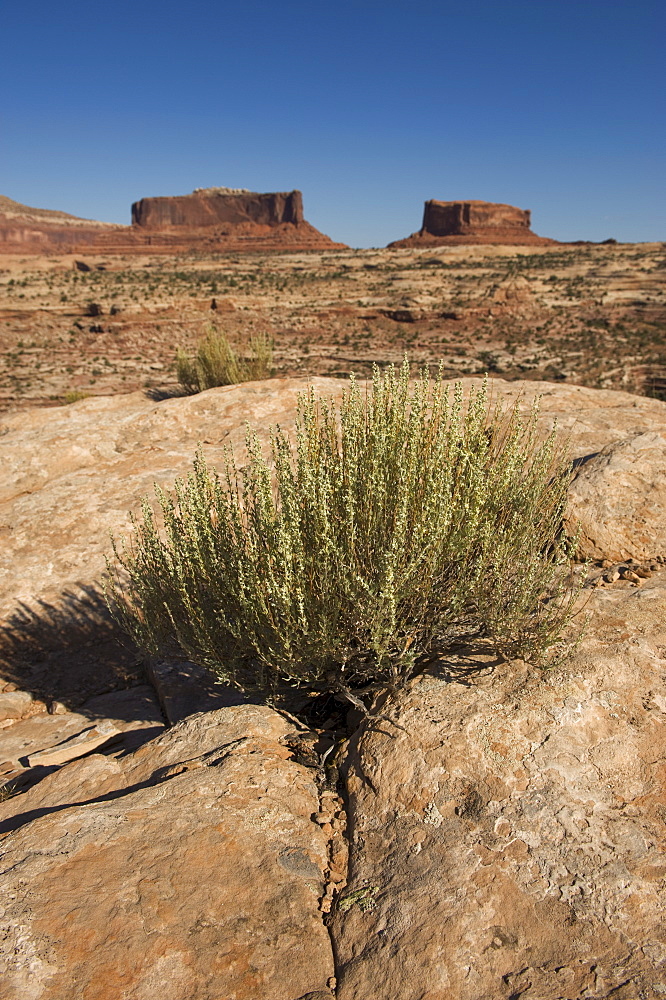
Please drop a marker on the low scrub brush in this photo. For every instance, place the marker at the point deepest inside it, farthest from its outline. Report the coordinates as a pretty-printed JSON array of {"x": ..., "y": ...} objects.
[
  {"x": 216, "y": 363},
  {"x": 393, "y": 525}
]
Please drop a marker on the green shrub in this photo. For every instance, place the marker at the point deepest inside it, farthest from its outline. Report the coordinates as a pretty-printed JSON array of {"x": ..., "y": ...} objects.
[
  {"x": 74, "y": 395},
  {"x": 398, "y": 524},
  {"x": 216, "y": 363}
]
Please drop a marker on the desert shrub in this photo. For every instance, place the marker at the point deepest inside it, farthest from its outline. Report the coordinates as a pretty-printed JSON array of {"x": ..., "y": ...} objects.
[
  {"x": 74, "y": 395},
  {"x": 398, "y": 523},
  {"x": 216, "y": 363}
]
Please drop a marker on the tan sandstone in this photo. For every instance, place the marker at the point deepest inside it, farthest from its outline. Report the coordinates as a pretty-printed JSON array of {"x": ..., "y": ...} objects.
[
  {"x": 512, "y": 842},
  {"x": 619, "y": 499},
  {"x": 509, "y": 843},
  {"x": 190, "y": 869}
]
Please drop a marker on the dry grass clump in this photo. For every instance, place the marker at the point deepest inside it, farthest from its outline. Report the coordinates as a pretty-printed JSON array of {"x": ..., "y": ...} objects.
[
  {"x": 397, "y": 524},
  {"x": 216, "y": 363}
]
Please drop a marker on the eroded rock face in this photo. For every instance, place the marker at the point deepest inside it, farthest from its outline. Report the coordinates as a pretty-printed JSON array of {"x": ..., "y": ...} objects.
[
  {"x": 208, "y": 220},
  {"x": 225, "y": 218},
  {"x": 619, "y": 499},
  {"x": 512, "y": 842},
  {"x": 191, "y": 868},
  {"x": 472, "y": 222},
  {"x": 215, "y": 207},
  {"x": 459, "y": 218}
]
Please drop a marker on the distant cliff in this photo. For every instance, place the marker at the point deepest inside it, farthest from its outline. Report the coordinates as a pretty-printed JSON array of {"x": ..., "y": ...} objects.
[
  {"x": 36, "y": 230},
  {"x": 219, "y": 206},
  {"x": 475, "y": 222},
  {"x": 212, "y": 220}
]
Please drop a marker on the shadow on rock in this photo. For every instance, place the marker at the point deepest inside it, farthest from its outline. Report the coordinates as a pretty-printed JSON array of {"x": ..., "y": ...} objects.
[
  {"x": 159, "y": 393},
  {"x": 69, "y": 650}
]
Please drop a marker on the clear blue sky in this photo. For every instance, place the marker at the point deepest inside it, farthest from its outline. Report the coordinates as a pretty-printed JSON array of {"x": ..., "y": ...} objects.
[{"x": 369, "y": 108}]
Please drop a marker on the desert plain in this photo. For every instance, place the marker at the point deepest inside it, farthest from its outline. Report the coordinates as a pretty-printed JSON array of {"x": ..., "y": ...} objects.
[{"x": 590, "y": 314}]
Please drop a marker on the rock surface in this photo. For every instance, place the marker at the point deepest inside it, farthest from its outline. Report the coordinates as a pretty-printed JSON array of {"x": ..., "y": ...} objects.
[
  {"x": 480, "y": 222},
  {"x": 185, "y": 688},
  {"x": 512, "y": 843},
  {"x": 620, "y": 501},
  {"x": 190, "y": 869},
  {"x": 216, "y": 206},
  {"x": 122, "y": 720}
]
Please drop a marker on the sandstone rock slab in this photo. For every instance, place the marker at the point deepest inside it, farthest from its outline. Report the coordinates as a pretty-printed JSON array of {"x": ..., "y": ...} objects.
[
  {"x": 29, "y": 736},
  {"x": 513, "y": 842},
  {"x": 194, "y": 870},
  {"x": 75, "y": 746},
  {"x": 118, "y": 722},
  {"x": 14, "y": 705},
  {"x": 619, "y": 499},
  {"x": 184, "y": 688}
]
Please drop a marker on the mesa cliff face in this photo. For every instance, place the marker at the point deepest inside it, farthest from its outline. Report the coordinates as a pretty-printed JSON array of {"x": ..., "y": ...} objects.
[
  {"x": 219, "y": 206},
  {"x": 210, "y": 219},
  {"x": 475, "y": 222}
]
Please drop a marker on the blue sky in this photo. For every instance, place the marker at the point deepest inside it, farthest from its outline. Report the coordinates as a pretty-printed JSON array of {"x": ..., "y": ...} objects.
[{"x": 369, "y": 108}]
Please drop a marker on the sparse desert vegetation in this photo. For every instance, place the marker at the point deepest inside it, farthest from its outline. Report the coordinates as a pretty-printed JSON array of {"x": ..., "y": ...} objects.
[
  {"x": 216, "y": 363},
  {"x": 591, "y": 315}
]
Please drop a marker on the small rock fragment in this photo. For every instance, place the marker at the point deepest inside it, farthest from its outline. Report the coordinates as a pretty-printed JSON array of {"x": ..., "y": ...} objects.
[
  {"x": 79, "y": 745},
  {"x": 14, "y": 704}
]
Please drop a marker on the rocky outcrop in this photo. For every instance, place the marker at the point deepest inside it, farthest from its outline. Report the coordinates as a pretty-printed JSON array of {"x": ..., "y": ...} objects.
[
  {"x": 619, "y": 501},
  {"x": 190, "y": 868},
  {"x": 216, "y": 206},
  {"x": 505, "y": 826},
  {"x": 473, "y": 222},
  {"x": 511, "y": 842},
  {"x": 71, "y": 473},
  {"x": 226, "y": 219}
]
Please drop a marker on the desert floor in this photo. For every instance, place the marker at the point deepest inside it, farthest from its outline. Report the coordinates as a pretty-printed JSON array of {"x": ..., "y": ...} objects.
[{"x": 594, "y": 315}]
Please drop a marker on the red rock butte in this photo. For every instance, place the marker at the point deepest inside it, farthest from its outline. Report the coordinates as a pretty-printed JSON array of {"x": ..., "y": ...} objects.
[
  {"x": 473, "y": 222},
  {"x": 209, "y": 219}
]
